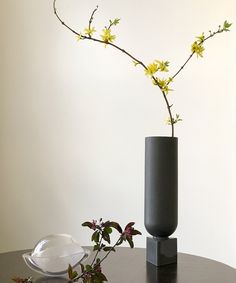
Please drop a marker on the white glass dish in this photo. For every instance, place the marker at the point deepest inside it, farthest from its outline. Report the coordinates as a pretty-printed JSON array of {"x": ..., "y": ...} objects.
[{"x": 52, "y": 255}]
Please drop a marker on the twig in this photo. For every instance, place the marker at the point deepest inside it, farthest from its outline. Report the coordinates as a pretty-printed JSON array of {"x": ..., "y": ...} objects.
[
  {"x": 118, "y": 48},
  {"x": 95, "y": 257},
  {"x": 91, "y": 17},
  {"x": 191, "y": 55}
]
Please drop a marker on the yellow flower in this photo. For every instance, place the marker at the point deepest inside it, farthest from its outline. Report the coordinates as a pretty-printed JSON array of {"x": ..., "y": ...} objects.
[
  {"x": 107, "y": 36},
  {"x": 90, "y": 31},
  {"x": 151, "y": 69},
  {"x": 197, "y": 48},
  {"x": 163, "y": 84}
]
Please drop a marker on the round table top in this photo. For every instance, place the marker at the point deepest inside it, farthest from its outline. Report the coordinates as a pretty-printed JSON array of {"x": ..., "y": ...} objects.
[{"x": 129, "y": 265}]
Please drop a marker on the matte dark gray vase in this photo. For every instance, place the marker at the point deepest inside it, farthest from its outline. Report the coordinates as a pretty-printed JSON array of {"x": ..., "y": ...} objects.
[{"x": 161, "y": 198}]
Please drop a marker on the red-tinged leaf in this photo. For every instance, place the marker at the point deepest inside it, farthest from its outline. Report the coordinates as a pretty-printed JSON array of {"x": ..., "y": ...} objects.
[
  {"x": 131, "y": 243},
  {"x": 129, "y": 225},
  {"x": 106, "y": 224},
  {"x": 116, "y": 226},
  {"x": 136, "y": 232},
  {"x": 87, "y": 224}
]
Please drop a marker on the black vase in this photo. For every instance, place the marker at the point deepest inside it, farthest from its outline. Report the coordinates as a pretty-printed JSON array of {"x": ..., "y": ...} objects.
[{"x": 161, "y": 198}]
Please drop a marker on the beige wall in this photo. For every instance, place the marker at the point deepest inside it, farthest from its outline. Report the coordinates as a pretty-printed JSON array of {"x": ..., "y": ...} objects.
[{"x": 73, "y": 117}]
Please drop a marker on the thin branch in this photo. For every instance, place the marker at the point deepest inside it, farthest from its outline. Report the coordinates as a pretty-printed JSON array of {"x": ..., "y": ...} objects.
[
  {"x": 91, "y": 17},
  {"x": 191, "y": 55},
  {"x": 56, "y": 14},
  {"x": 95, "y": 257},
  {"x": 181, "y": 68},
  {"x": 107, "y": 254},
  {"x": 95, "y": 39},
  {"x": 120, "y": 49},
  {"x": 168, "y": 107}
]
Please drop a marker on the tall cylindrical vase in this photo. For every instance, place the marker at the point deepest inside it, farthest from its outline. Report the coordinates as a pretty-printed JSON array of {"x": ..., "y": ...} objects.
[{"x": 161, "y": 198}]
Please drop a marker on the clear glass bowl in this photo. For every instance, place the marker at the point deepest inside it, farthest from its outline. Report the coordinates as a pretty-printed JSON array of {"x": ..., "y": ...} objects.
[{"x": 52, "y": 255}]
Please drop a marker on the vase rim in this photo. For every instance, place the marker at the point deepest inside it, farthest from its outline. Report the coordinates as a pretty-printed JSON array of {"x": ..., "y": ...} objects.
[{"x": 161, "y": 137}]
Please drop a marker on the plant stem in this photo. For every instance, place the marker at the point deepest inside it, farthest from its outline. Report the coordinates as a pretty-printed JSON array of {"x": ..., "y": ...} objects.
[
  {"x": 191, "y": 55},
  {"x": 181, "y": 68},
  {"x": 95, "y": 257},
  {"x": 91, "y": 17},
  {"x": 120, "y": 49},
  {"x": 107, "y": 254},
  {"x": 95, "y": 265}
]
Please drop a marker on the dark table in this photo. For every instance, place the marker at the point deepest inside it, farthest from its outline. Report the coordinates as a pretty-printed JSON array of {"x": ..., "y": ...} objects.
[{"x": 129, "y": 266}]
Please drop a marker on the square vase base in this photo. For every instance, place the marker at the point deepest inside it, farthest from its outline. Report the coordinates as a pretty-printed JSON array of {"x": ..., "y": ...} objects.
[{"x": 161, "y": 251}]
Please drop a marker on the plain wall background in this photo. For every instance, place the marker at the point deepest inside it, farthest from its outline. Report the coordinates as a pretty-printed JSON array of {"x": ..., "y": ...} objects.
[{"x": 73, "y": 118}]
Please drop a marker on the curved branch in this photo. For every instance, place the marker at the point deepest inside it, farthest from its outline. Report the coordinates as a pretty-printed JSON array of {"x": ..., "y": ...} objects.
[
  {"x": 120, "y": 49},
  {"x": 191, "y": 55}
]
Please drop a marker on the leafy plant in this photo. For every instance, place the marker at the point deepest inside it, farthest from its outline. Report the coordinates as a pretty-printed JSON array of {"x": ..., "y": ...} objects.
[
  {"x": 101, "y": 238},
  {"x": 155, "y": 68},
  {"x": 92, "y": 273}
]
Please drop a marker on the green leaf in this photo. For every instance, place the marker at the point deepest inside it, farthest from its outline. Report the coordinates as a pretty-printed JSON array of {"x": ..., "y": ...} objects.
[
  {"x": 106, "y": 224},
  {"x": 106, "y": 236},
  {"x": 95, "y": 237},
  {"x": 226, "y": 26},
  {"x": 116, "y": 21},
  {"x": 88, "y": 267},
  {"x": 98, "y": 260},
  {"x": 103, "y": 277},
  {"x": 136, "y": 63},
  {"x": 108, "y": 230},
  {"x": 97, "y": 279},
  {"x": 120, "y": 241},
  {"x": 96, "y": 247},
  {"x": 72, "y": 274},
  {"x": 107, "y": 249}
]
